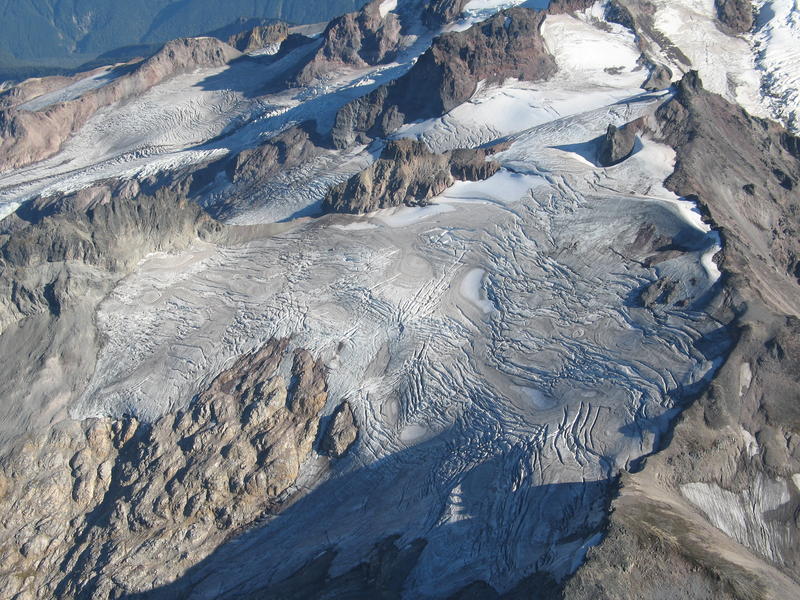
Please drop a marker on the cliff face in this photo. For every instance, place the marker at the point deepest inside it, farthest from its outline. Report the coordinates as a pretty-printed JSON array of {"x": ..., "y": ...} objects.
[
  {"x": 30, "y": 136},
  {"x": 85, "y": 494},
  {"x": 407, "y": 173}
]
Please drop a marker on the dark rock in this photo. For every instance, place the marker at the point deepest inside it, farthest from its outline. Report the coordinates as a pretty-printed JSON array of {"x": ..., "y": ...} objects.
[
  {"x": 288, "y": 149},
  {"x": 439, "y": 12},
  {"x": 407, "y": 173},
  {"x": 660, "y": 78},
  {"x": 735, "y": 14},
  {"x": 740, "y": 436},
  {"x": 507, "y": 45},
  {"x": 618, "y": 143},
  {"x": 356, "y": 39},
  {"x": 260, "y": 36},
  {"x": 341, "y": 433}
]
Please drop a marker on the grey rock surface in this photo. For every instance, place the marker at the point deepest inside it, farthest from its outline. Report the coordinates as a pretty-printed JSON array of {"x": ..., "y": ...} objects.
[
  {"x": 341, "y": 433},
  {"x": 618, "y": 143},
  {"x": 84, "y": 493},
  {"x": 407, "y": 173}
]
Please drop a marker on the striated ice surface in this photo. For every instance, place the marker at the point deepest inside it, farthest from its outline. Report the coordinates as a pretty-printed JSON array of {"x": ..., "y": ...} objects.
[{"x": 500, "y": 370}]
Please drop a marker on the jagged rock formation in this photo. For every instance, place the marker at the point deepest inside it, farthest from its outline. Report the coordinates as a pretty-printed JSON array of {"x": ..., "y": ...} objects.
[
  {"x": 288, "y": 149},
  {"x": 407, "y": 173},
  {"x": 341, "y": 433},
  {"x": 507, "y": 45},
  {"x": 56, "y": 249},
  {"x": 736, "y": 14},
  {"x": 357, "y": 40},
  {"x": 618, "y": 143},
  {"x": 714, "y": 512},
  {"x": 269, "y": 36},
  {"x": 85, "y": 495},
  {"x": 30, "y": 136}
]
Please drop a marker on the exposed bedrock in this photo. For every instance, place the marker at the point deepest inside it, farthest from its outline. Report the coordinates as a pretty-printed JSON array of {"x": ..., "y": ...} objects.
[
  {"x": 736, "y": 14},
  {"x": 618, "y": 143},
  {"x": 341, "y": 432},
  {"x": 77, "y": 499},
  {"x": 407, "y": 173},
  {"x": 356, "y": 39},
  {"x": 54, "y": 250},
  {"x": 746, "y": 171},
  {"x": 439, "y": 12},
  {"x": 286, "y": 150},
  {"x": 715, "y": 512},
  {"x": 507, "y": 45},
  {"x": 660, "y": 78},
  {"x": 269, "y": 36},
  {"x": 30, "y": 136}
]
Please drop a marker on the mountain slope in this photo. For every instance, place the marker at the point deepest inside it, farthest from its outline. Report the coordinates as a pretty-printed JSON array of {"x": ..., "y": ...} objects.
[{"x": 376, "y": 314}]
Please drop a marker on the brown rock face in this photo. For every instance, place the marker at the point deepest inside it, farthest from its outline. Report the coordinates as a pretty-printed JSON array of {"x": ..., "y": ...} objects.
[
  {"x": 407, "y": 173},
  {"x": 439, "y": 12},
  {"x": 27, "y": 137},
  {"x": 107, "y": 507},
  {"x": 618, "y": 143},
  {"x": 341, "y": 433},
  {"x": 288, "y": 149},
  {"x": 356, "y": 39},
  {"x": 261, "y": 36},
  {"x": 506, "y": 45},
  {"x": 736, "y": 14}
]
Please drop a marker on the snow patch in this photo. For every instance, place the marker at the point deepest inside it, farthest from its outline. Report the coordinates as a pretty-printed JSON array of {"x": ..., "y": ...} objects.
[
  {"x": 387, "y": 6},
  {"x": 472, "y": 290}
]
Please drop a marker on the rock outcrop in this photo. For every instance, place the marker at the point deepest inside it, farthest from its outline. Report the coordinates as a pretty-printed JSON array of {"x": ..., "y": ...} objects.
[
  {"x": 30, "y": 136},
  {"x": 268, "y": 37},
  {"x": 357, "y": 40},
  {"x": 55, "y": 249},
  {"x": 439, "y": 12},
  {"x": 506, "y": 45},
  {"x": 735, "y": 14},
  {"x": 618, "y": 143},
  {"x": 407, "y": 173},
  {"x": 76, "y": 500},
  {"x": 714, "y": 513},
  {"x": 341, "y": 433},
  {"x": 660, "y": 78},
  {"x": 286, "y": 150}
]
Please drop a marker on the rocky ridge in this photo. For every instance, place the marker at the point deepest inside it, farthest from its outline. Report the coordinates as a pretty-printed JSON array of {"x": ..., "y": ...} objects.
[
  {"x": 30, "y": 136},
  {"x": 57, "y": 248},
  {"x": 114, "y": 506},
  {"x": 268, "y": 37},
  {"x": 506, "y": 45},
  {"x": 356, "y": 39},
  {"x": 407, "y": 173},
  {"x": 728, "y": 471}
]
